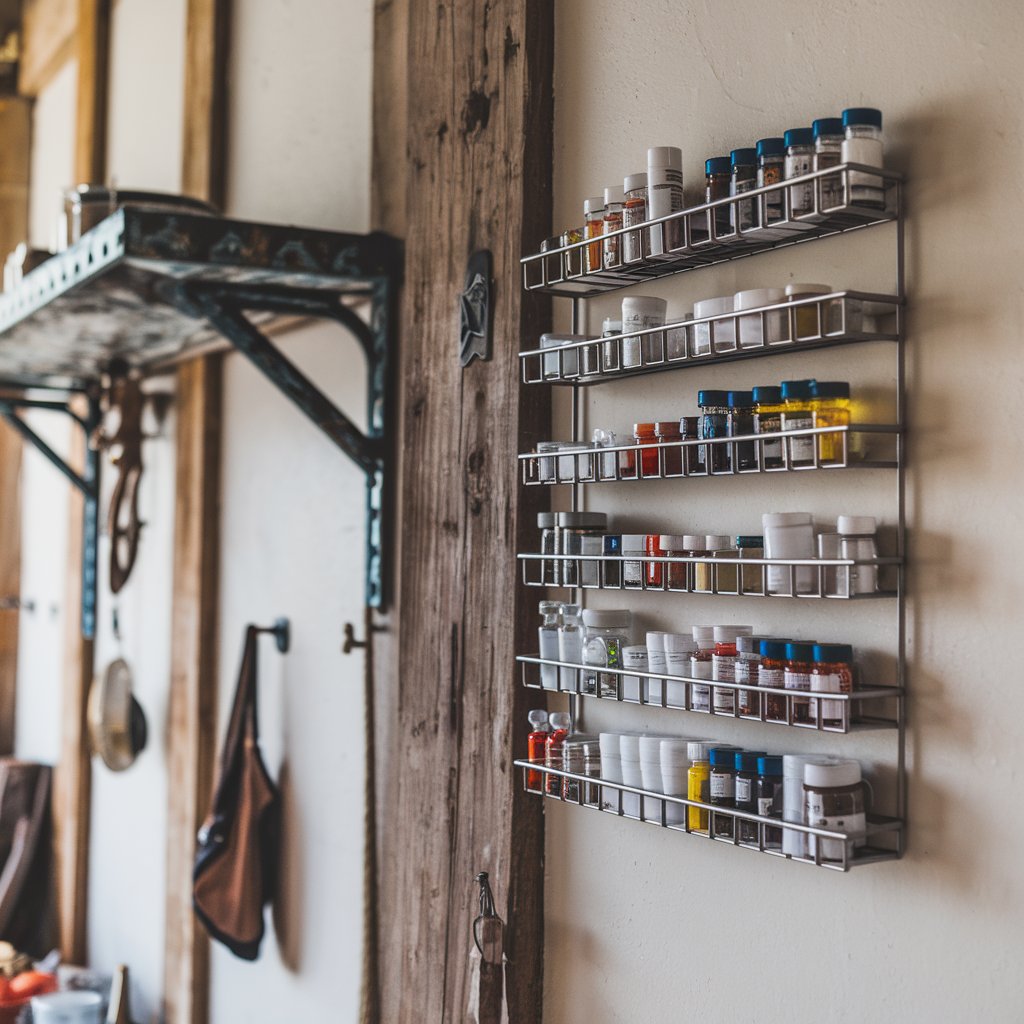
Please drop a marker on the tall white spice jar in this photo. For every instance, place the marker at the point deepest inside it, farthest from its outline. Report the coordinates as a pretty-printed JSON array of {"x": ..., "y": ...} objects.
[{"x": 664, "y": 196}]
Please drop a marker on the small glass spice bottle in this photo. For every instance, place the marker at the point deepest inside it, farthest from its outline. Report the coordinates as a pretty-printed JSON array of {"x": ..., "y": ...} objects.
[
  {"x": 611, "y": 548},
  {"x": 797, "y": 415},
  {"x": 612, "y": 247},
  {"x": 769, "y": 798},
  {"x": 743, "y": 454},
  {"x": 592, "y": 769},
  {"x": 689, "y": 430},
  {"x": 698, "y": 779},
  {"x": 632, "y": 566},
  {"x": 768, "y": 406},
  {"x": 536, "y": 744},
  {"x": 654, "y": 571},
  {"x": 723, "y": 666},
  {"x": 828, "y": 145},
  {"x": 550, "y": 544},
  {"x": 671, "y": 458},
  {"x": 643, "y": 434},
  {"x": 593, "y": 215},
  {"x": 863, "y": 145},
  {"x": 574, "y": 256},
  {"x": 830, "y": 406},
  {"x": 694, "y": 546},
  {"x": 771, "y": 154},
  {"x": 797, "y": 676},
  {"x": 675, "y": 572},
  {"x": 748, "y": 658},
  {"x": 832, "y": 672},
  {"x": 722, "y": 786},
  {"x": 746, "y": 792},
  {"x": 771, "y": 672},
  {"x": 742, "y": 216},
  {"x": 714, "y": 423},
  {"x": 800, "y": 161},
  {"x": 717, "y": 181},
  {"x": 701, "y": 667},
  {"x": 634, "y": 211},
  {"x": 752, "y": 579},
  {"x": 560, "y": 723},
  {"x": 718, "y": 577}
]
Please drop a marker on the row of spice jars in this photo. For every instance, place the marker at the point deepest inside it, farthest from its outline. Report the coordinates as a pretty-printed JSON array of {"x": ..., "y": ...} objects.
[
  {"x": 621, "y": 560},
  {"x": 723, "y": 324},
  {"x": 823, "y": 792},
  {"x": 856, "y": 137}
]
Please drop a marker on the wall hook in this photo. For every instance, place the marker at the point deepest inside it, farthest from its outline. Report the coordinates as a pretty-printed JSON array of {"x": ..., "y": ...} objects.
[
  {"x": 351, "y": 643},
  {"x": 282, "y": 631}
]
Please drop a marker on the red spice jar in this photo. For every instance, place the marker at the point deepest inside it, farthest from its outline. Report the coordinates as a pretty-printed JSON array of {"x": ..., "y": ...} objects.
[
  {"x": 643, "y": 433},
  {"x": 655, "y": 570},
  {"x": 672, "y": 458}
]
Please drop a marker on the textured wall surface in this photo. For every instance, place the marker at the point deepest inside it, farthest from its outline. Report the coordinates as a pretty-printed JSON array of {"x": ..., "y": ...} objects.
[{"x": 644, "y": 925}]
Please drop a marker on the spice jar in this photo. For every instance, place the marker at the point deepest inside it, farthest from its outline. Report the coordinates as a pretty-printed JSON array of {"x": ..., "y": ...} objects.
[
  {"x": 832, "y": 672},
  {"x": 634, "y": 211},
  {"x": 572, "y": 761},
  {"x": 536, "y": 743},
  {"x": 743, "y": 454},
  {"x": 671, "y": 458},
  {"x": 863, "y": 145},
  {"x": 674, "y": 547},
  {"x": 719, "y": 335},
  {"x": 743, "y": 216},
  {"x": 640, "y": 313},
  {"x": 769, "y": 798},
  {"x": 676, "y": 337},
  {"x": 723, "y": 666},
  {"x": 758, "y": 329},
  {"x": 771, "y": 673},
  {"x": 714, "y": 423},
  {"x": 701, "y": 667},
  {"x": 834, "y": 799},
  {"x": 550, "y": 544},
  {"x": 689, "y": 430},
  {"x": 794, "y": 844},
  {"x": 797, "y": 415},
  {"x": 694, "y": 546},
  {"x": 675, "y": 766},
  {"x": 746, "y": 792},
  {"x": 593, "y": 215},
  {"x": 657, "y": 663},
  {"x": 547, "y": 462},
  {"x": 646, "y": 458},
  {"x": 806, "y": 317},
  {"x": 605, "y": 633},
  {"x": 612, "y": 550},
  {"x": 592, "y": 769},
  {"x": 664, "y": 196},
  {"x": 604, "y": 465},
  {"x": 789, "y": 535},
  {"x": 611, "y": 768},
  {"x": 770, "y": 170},
  {"x": 570, "y": 648},
  {"x": 752, "y": 579},
  {"x": 560, "y": 723},
  {"x": 655, "y": 571},
  {"x": 612, "y": 249},
  {"x": 573, "y": 256},
  {"x": 632, "y": 566},
  {"x": 717, "y": 179},
  {"x": 722, "y": 786},
  {"x": 748, "y": 660},
  {"x": 828, "y": 144},
  {"x": 858, "y": 540},
  {"x": 548, "y": 640},
  {"x": 582, "y": 534},
  {"x": 562, "y": 364},
  {"x": 698, "y": 780},
  {"x": 634, "y": 657},
  {"x": 797, "y": 676},
  {"x": 830, "y": 406},
  {"x": 612, "y": 351},
  {"x": 768, "y": 408},
  {"x": 718, "y": 577},
  {"x": 679, "y": 648},
  {"x": 800, "y": 161}
]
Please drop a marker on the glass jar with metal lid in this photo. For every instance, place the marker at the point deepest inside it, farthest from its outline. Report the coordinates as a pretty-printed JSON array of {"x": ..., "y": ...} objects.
[{"x": 582, "y": 533}]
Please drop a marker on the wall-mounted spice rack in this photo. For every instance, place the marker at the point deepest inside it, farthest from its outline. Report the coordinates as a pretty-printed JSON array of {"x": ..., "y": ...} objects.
[
  {"x": 799, "y": 325},
  {"x": 839, "y": 851},
  {"x": 589, "y": 464},
  {"x": 695, "y": 238},
  {"x": 701, "y": 236},
  {"x": 831, "y": 712}
]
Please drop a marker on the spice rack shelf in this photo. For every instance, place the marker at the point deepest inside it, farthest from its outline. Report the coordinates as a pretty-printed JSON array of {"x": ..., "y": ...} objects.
[
  {"x": 769, "y": 705},
  {"x": 799, "y": 325},
  {"x": 701, "y": 236},
  {"x": 589, "y": 464},
  {"x": 882, "y": 838},
  {"x": 750, "y": 575}
]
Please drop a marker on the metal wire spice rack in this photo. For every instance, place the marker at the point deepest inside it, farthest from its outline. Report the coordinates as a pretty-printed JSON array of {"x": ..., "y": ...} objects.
[{"x": 695, "y": 238}]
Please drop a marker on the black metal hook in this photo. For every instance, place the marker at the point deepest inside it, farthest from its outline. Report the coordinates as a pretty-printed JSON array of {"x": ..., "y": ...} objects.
[
  {"x": 351, "y": 643},
  {"x": 282, "y": 631}
]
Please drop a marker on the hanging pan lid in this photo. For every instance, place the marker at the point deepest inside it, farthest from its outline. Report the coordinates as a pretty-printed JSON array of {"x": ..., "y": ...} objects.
[{"x": 117, "y": 724}]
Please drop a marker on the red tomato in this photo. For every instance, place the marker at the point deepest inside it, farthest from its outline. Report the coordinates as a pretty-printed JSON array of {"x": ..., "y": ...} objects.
[
  {"x": 32, "y": 983},
  {"x": 5, "y": 989}
]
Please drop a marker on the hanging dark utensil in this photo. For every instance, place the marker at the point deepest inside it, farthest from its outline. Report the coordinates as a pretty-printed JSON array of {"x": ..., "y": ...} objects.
[{"x": 489, "y": 937}]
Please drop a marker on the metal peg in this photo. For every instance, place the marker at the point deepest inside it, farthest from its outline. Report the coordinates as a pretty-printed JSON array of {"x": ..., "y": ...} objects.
[
  {"x": 351, "y": 643},
  {"x": 282, "y": 632}
]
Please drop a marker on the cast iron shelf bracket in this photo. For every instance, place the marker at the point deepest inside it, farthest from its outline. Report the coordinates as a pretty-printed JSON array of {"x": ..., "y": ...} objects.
[
  {"x": 224, "y": 305},
  {"x": 86, "y": 482}
]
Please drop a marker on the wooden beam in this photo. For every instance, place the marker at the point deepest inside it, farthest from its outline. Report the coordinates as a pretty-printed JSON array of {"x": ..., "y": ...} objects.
[
  {"x": 206, "y": 96},
  {"x": 193, "y": 709},
  {"x": 47, "y": 42},
  {"x": 479, "y": 143},
  {"x": 193, "y": 700},
  {"x": 93, "y": 51}
]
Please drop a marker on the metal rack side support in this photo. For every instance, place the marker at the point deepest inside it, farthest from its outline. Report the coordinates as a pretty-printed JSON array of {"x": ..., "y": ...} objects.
[
  {"x": 901, "y": 503},
  {"x": 87, "y": 482},
  {"x": 224, "y": 305}
]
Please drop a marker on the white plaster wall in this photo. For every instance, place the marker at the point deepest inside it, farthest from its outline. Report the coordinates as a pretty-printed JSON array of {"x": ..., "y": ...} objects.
[
  {"x": 647, "y": 925},
  {"x": 147, "y": 83},
  {"x": 292, "y": 545}
]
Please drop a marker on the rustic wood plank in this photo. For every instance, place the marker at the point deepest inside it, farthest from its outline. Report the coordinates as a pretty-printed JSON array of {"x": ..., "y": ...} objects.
[
  {"x": 479, "y": 142},
  {"x": 47, "y": 42},
  {"x": 193, "y": 700},
  {"x": 199, "y": 392},
  {"x": 93, "y": 52},
  {"x": 206, "y": 69}
]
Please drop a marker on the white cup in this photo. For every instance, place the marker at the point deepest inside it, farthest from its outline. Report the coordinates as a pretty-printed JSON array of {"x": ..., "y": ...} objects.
[{"x": 67, "y": 1008}]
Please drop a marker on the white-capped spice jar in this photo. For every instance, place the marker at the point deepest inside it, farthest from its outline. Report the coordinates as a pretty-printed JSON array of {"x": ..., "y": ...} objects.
[
  {"x": 760, "y": 329},
  {"x": 833, "y": 793}
]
